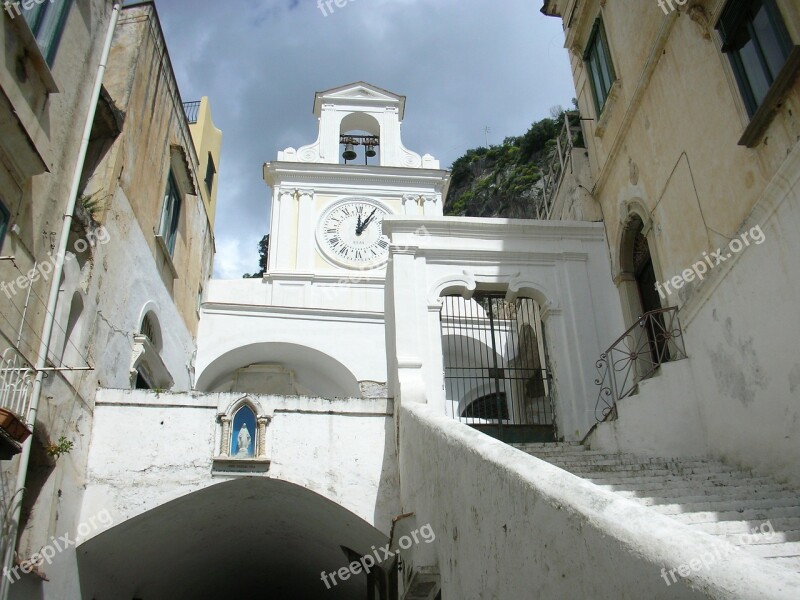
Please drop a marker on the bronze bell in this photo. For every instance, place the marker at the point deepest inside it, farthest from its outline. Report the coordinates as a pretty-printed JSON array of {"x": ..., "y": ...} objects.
[
  {"x": 349, "y": 152},
  {"x": 371, "y": 151}
]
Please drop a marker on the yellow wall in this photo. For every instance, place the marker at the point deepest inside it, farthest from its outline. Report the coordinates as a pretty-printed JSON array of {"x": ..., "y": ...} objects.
[{"x": 207, "y": 140}]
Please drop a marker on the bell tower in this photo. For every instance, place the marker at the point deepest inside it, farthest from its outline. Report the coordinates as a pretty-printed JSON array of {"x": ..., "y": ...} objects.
[
  {"x": 365, "y": 108},
  {"x": 329, "y": 197}
]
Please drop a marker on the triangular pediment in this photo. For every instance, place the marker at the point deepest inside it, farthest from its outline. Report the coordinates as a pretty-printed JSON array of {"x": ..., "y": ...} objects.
[{"x": 359, "y": 91}]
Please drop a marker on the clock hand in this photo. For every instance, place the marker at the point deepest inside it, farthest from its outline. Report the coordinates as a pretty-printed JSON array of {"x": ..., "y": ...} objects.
[{"x": 367, "y": 222}]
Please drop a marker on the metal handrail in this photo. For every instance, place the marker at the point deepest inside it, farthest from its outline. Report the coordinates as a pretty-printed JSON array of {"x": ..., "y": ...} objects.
[
  {"x": 16, "y": 383},
  {"x": 191, "y": 109},
  {"x": 655, "y": 338},
  {"x": 561, "y": 158}
]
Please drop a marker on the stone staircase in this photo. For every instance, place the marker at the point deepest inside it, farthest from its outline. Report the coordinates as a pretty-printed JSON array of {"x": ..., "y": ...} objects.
[{"x": 756, "y": 513}]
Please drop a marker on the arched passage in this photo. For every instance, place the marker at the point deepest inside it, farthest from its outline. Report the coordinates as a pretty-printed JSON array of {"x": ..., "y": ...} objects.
[
  {"x": 275, "y": 367},
  {"x": 496, "y": 375},
  {"x": 247, "y": 538}
]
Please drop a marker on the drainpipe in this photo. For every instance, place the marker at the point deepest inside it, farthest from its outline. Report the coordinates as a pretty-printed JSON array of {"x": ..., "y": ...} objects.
[{"x": 55, "y": 284}]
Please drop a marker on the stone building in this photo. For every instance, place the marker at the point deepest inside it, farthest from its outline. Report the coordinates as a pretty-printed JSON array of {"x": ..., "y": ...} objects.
[
  {"x": 138, "y": 247},
  {"x": 692, "y": 154}
]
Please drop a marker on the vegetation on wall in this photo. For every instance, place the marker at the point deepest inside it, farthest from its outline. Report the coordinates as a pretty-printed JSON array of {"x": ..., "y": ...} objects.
[{"x": 504, "y": 180}]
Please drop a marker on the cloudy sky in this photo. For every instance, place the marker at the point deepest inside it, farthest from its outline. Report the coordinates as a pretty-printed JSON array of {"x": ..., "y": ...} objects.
[{"x": 464, "y": 65}]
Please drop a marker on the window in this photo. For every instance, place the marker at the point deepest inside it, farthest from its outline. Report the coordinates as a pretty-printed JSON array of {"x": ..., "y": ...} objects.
[
  {"x": 46, "y": 20},
  {"x": 5, "y": 217},
  {"x": 599, "y": 65},
  {"x": 757, "y": 43},
  {"x": 211, "y": 170},
  {"x": 170, "y": 214}
]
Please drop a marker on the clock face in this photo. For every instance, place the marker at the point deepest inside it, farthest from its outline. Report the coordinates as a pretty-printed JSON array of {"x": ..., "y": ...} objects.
[{"x": 351, "y": 233}]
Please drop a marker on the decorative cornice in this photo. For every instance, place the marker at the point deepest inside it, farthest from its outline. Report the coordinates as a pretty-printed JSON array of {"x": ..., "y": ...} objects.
[
  {"x": 499, "y": 229},
  {"x": 276, "y": 172},
  {"x": 294, "y": 312}
]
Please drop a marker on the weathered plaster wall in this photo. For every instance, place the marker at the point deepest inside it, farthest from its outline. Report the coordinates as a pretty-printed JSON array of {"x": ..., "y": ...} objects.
[
  {"x": 148, "y": 449},
  {"x": 509, "y": 525},
  {"x": 661, "y": 419},
  {"x": 661, "y": 149}
]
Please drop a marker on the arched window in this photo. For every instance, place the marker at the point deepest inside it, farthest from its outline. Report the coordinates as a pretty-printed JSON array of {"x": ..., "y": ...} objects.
[
  {"x": 486, "y": 407},
  {"x": 243, "y": 433},
  {"x": 151, "y": 329}
]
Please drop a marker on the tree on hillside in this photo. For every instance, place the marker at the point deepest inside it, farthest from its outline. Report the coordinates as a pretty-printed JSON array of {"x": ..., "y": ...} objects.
[{"x": 263, "y": 253}]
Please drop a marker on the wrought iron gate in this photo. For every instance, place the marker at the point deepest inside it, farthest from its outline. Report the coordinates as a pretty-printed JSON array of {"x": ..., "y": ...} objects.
[{"x": 496, "y": 374}]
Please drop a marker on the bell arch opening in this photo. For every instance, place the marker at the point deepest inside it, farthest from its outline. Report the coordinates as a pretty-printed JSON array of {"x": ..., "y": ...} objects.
[{"x": 359, "y": 139}]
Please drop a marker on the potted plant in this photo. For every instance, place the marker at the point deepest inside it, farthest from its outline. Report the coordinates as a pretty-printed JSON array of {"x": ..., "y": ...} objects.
[{"x": 13, "y": 426}]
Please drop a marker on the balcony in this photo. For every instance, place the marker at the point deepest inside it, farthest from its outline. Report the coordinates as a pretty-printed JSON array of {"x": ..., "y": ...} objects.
[
  {"x": 191, "y": 109},
  {"x": 16, "y": 383}
]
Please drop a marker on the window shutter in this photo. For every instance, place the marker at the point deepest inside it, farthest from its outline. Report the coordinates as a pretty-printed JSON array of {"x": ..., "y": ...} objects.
[{"x": 731, "y": 20}]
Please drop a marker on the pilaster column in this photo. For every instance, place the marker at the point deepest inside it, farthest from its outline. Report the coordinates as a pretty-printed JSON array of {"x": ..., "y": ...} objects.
[
  {"x": 305, "y": 230},
  {"x": 431, "y": 207},
  {"x": 410, "y": 204},
  {"x": 225, "y": 437},
  {"x": 261, "y": 445},
  {"x": 286, "y": 230}
]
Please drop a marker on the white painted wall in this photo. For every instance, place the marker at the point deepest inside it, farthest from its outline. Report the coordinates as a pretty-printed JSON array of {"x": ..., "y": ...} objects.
[
  {"x": 662, "y": 419},
  {"x": 509, "y": 525},
  {"x": 331, "y": 347},
  {"x": 148, "y": 449},
  {"x": 562, "y": 265}
]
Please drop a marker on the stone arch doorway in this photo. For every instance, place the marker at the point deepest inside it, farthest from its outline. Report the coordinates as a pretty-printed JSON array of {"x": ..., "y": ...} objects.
[
  {"x": 640, "y": 296},
  {"x": 251, "y": 537},
  {"x": 638, "y": 269}
]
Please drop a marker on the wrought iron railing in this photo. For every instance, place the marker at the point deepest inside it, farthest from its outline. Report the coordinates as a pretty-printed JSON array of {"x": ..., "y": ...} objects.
[
  {"x": 16, "y": 383},
  {"x": 656, "y": 338},
  {"x": 495, "y": 369},
  {"x": 191, "y": 109},
  {"x": 561, "y": 159}
]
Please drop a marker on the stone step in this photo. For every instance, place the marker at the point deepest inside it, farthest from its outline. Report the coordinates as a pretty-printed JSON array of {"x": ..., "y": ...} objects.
[
  {"x": 548, "y": 445},
  {"x": 793, "y": 564},
  {"x": 726, "y": 503},
  {"x": 668, "y": 478},
  {"x": 566, "y": 451},
  {"x": 646, "y": 470},
  {"x": 717, "y": 495},
  {"x": 779, "y": 537},
  {"x": 779, "y": 550},
  {"x": 745, "y": 528},
  {"x": 683, "y": 485},
  {"x": 762, "y": 515},
  {"x": 691, "y": 492},
  {"x": 585, "y": 460}
]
